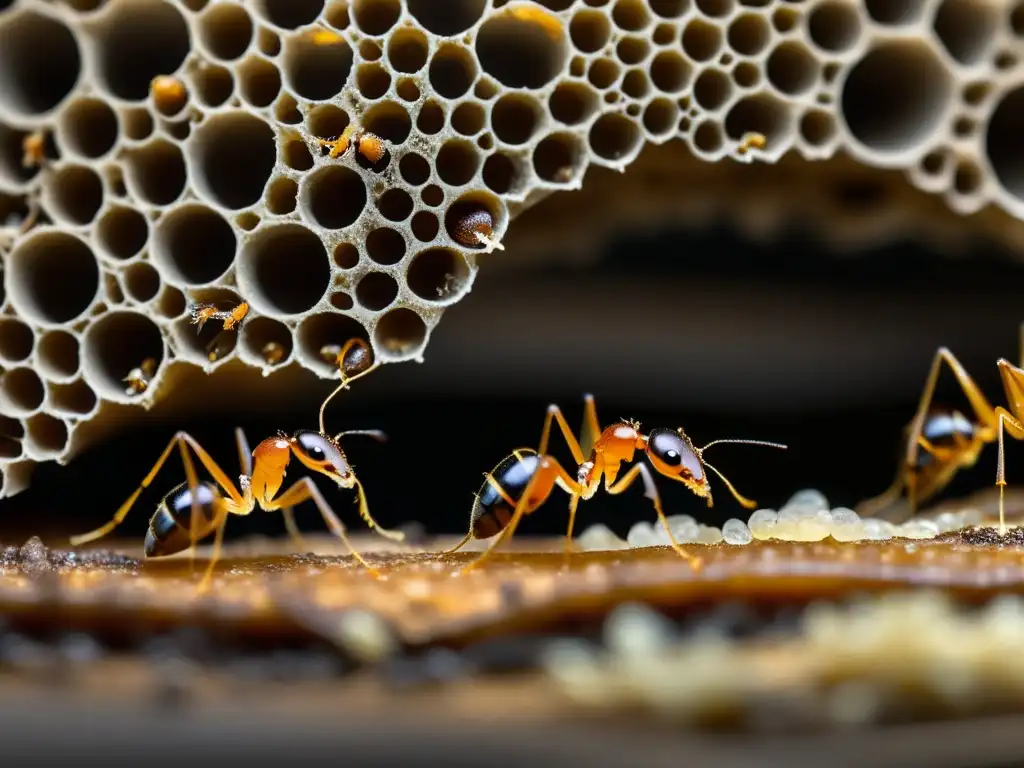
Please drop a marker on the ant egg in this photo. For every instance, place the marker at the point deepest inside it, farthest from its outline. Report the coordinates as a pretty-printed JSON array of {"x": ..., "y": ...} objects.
[
  {"x": 169, "y": 94},
  {"x": 475, "y": 228},
  {"x": 372, "y": 147}
]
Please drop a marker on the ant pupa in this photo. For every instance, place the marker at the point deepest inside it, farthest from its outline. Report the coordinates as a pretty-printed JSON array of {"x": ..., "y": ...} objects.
[
  {"x": 474, "y": 227},
  {"x": 525, "y": 479}
]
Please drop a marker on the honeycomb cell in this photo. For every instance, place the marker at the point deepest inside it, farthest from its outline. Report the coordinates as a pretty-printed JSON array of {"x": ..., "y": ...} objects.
[
  {"x": 499, "y": 174},
  {"x": 13, "y": 171},
  {"x": 73, "y": 194},
  {"x": 669, "y": 72},
  {"x": 283, "y": 269},
  {"x": 457, "y": 162},
  {"x": 322, "y": 329},
  {"x": 817, "y": 127},
  {"x": 389, "y": 120},
  {"x": 372, "y": 80},
  {"x": 407, "y": 50},
  {"x": 138, "y": 124},
  {"x": 346, "y": 255},
  {"x": 604, "y": 73},
  {"x": 376, "y": 291},
  {"x": 171, "y": 302},
  {"x": 748, "y": 34},
  {"x": 326, "y": 121},
  {"x": 438, "y": 274},
  {"x": 289, "y": 14},
  {"x": 263, "y": 341},
  {"x": 46, "y": 436},
  {"x": 259, "y": 81},
  {"x": 212, "y": 84},
  {"x": 760, "y": 114},
  {"x": 792, "y": 69},
  {"x": 316, "y": 69},
  {"x": 395, "y": 205},
  {"x": 281, "y": 196},
  {"x": 385, "y": 246},
  {"x": 968, "y": 178},
  {"x": 707, "y": 138},
  {"x": 138, "y": 40},
  {"x": 75, "y": 399},
  {"x": 57, "y": 356},
  {"x": 155, "y": 172},
  {"x": 414, "y": 169},
  {"x": 401, "y": 333},
  {"x": 376, "y": 17},
  {"x": 295, "y": 154},
  {"x": 231, "y": 157},
  {"x": 268, "y": 42},
  {"x": 468, "y": 119},
  {"x": 590, "y": 31},
  {"x": 452, "y": 71},
  {"x": 332, "y": 196},
  {"x": 635, "y": 85},
  {"x": 573, "y": 103},
  {"x": 208, "y": 345},
  {"x": 614, "y": 137},
  {"x": 702, "y": 40},
  {"x": 669, "y": 9},
  {"x": 87, "y": 127},
  {"x": 40, "y": 63},
  {"x": 431, "y": 118},
  {"x": 630, "y": 15},
  {"x": 746, "y": 75},
  {"x": 141, "y": 281},
  {"x": 425, "y": 226},
  {"x": 446, "y": 19},
  {"x": 16, "y": 341},
  {"x": 1003, "y": 146},
  {"x": 895, "y": 12},
  {"x": 522, "y": 47},
  {"x": 51, "y": 277},
  {"x": 193, "y": 245},
  {"x": 966, "y": 29},
  {"x": 834, "y": 26},
  {"x": 407, "y": 89},
  {"x": 660, "y": 117},
  {"x": 515, "y": 118},
  {"x": 113, "y": 345},
  {"x": 895, "y": 98},
  {"x": 21, "y": 392},
  {"x": 559, "y": 158},
  {"x": 714, "y": 8},
  {"x": 225, "y": 31},
  {"x": 712, "y": 89}
]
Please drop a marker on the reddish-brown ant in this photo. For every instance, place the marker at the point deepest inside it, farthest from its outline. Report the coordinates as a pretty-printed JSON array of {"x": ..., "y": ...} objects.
[
  {"x": 194, "y": 509},
  {"x": 940, "y": 442},
  {"x": 525, "y": 479}
]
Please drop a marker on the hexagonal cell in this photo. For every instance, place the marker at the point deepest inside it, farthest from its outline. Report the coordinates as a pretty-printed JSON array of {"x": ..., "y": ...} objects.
[
  {"x": 385, "y": 245},
  {"x": 283, "y": 269},
  {"x": 401, "y": 334},
  {"x": 614, "y": 137},
  {"x": 289, "y": 14},
  {"x": 316, "y": 65},
  {"x": 895, "y": 12},
  {"x": 52, "y": 277},
  {"x": 407, "y": 50},
  {"x": 75, "y": 399},
  {"x": 792, "y": 68},
  {"x": 573, "y": 103},
  {"x": 522, "y": 47},
  {"x": 834, "y": 25},
  {"x": 516, "y": 117},
  {"x": 1003, "y": 146},
  {"x": 46, "y": 436},
  {"x": 560, "y": 158},
  {"x": 115, "y": 344},
  {"x": 40, "y": 63},
  {"x": 590, "y": 30},
  {"x": 323, "y": 329},
  {"x": 16, "y": 341},
  {"x": 259, "y": 81},
  {"x": 193, "y": 245},
  {"x": 452, "y": 71},
  {"x": 230, "y": 158}
]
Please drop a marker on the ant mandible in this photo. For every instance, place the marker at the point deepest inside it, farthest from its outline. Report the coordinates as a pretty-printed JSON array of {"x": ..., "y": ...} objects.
[
  {"x": 525, "y": 479},
  {"x": 194, "y": 509},
  {"x": 941, "y": 441}
]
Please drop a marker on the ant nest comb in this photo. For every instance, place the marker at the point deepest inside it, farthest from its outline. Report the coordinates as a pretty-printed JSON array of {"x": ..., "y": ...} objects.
[{"x": 342, "y": 166}]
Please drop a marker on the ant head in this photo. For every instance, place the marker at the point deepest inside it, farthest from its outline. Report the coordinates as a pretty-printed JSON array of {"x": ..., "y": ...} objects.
[
  {"x": 322, "y": 454},
  {"x": 673, "y": 455}
]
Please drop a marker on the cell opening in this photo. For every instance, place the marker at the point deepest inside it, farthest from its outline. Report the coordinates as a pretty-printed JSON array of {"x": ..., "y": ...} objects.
[
  {"x": 333, "y": 196},
  {"x": 376, "y": 291},
  {"x": 57, "y": 355},
  {"x": 88, "y": 127},
  {"x": 715, "y": 8},
  {"x": 748, "y": 34},
  {"x": 452, "y": 71},
  {"x": 468, "y": 119},
  {"x": 792, "y": 69},
  {"x": 630, "y": 15},
  {"x": 73, "y": 194},
  {"x": 425, "y": 226},
  {"x": 295, "y": 154},
  {"x": 614, "y": 137},
  {"x": 193, "y": 244},
  {"x": 966, "y": 28},
  {"x": 669, "y": 72},
  {"x": 40, "y": 63},
  {"x": 389, "y": 120},
  {"x": 21, "y": 392},
  {"x": 284, "y": 270},
  {"x": 156, "y": 172},
  {"x": 834, "y": 26},
  {"x": 74, "y": 399},
  {"x": 431, "y": 118},
  {"x": 265, "y": 341},
  {"x": 376, "y": 17},
  {"x": 114, "y": 345},
  {"x": 372, "y": 80},
  {"x": 407, "y": 89},
  {"x": 968, "y": 178},
  {"x": 232, "y": 156},
  {"x": 449, "y": 18},
  {"x": 226, "y": 31},
  {"x": 438, "y": 274},
  {"x": 669, "y": 9},
  {"x": 281, "y": 196},
  {"x": 395, "y": 205},
  {"x": 1003, "y": 146},
  {"x": 457, "y": 162},
  {"x": 289, "y": 14},
  {"x": 259, "y": 81},
  {"x": 142, "y": 281},
  {"x": 707, "y": 138},
  {"x": 212, "y": 84},
  {"x": 52, "y": 277},
  {"x": 385, "y": 246},
  {"x": 522, "y": 47},
  {"x": 701, "y": 40},
  {"x": 660, "y": 117},
  {"x": 46, "y": 435},
  {"x": 407, "y": 50},
  {"x": 16, "y": 341},
  {"x": 572, "y": 103},
  {"x": 432, "y": 195},
  {"x": 556, "y": 158},
  {"x": 590, "y": 31},
  {"x": 268, "y": 42},
  {"x": 171, "y": 303},
  {"x": 341, "y": 300},
  {"x": 817, "y": 128},
  {"x": 604, "y": 73},
  {"x": 314, "y": 68},
  {"x": 138, "y": 124},
  {"x": 346, "y": 255},
  {"x": 326, "y": 329},
  {"x": 414, "y": 168},
  {"x": 326, "y": 121},
  {"x": 894, "y": 12},
  {"x": 401, "y": 333},
  {"x": 500, "y": 174},
  {"x": 515, "y": 117}
]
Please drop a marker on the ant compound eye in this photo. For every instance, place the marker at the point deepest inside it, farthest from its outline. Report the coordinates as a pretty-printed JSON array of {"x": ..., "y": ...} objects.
[
  {"x": 672, "y": 453},
  {"x": 315, "y": 447}
]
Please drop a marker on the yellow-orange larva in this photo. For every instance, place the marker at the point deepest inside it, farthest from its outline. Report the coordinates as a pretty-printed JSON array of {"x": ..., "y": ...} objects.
[
  {"x": 475, "y": 228},
  {"x": 371, "y": 146},
  {"x": 169, "y": 94}
]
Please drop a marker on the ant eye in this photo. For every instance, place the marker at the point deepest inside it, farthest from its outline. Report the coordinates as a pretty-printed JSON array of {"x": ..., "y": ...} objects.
[
  {"x": 672, "y": 452},
  {"x": 314, "y": 446}
]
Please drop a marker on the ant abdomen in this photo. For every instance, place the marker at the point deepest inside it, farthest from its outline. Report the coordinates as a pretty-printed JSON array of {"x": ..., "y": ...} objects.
[
  {"x": 491, "y": 509},
  {"x": 169, "y": 528}
]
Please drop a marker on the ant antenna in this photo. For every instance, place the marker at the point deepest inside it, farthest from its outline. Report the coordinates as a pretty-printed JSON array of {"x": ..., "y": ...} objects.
[
  {"x": 376, "y": 434},
  {"x": 744, "y": 442},
  {"x": 341, "y": 359},
  {"x": 748, "y": 503}
]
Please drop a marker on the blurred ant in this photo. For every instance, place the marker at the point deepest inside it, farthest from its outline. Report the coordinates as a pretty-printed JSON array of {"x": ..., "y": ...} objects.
[
  {"x": 525, "y": 479},
  {"x": 139, "y": 378},
  {"x": 940, "y": 441},
  {"x": 194, "y": 509}
]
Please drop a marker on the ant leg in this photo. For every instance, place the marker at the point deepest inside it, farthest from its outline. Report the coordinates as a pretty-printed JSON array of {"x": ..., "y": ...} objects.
[
  {"x": 218, "y": 541},
  {"x": 573, "y": 503},
  {"x": 651, "y": 492},
  {"x": 305, "y": 490},
  {"x": 591, "y": 429},
  {"x": 554, "y": 412},
  {"x": 548, "y": 472},
  {"x": 293, "y": 530},
  {"x": 244, "y": 454},
  {"x": 465, "y": 540},
  {"x": 364, "y": 512},
  {"x": 1016, "y": 429}
]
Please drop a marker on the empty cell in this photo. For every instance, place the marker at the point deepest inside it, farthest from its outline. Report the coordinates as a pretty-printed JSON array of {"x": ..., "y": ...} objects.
[
  {"x": 457, "y": 162},
  {"x": 289, "y": 14},
  {"x": 414, "y": 168},
  {"x": 425, "y": 226},
  {"x": 968, "y": 178},
  {"x": 451, "y": 17},
  {"x": 401, "y": 333},
  {"x": 792, "y": 68},
  {"x": 112, "y": 293},
  {"x": 407, "y": 89},
  {"x": 963, "y": 127},
  {"x": 212, "y": 84},
  {"x": 283, "y": 270},
  {"x": 295, "y": 154},
  {"x": 817, "y": 127},
  {"x": 712, "y": 89},
  {"x": 259, "y": 81},
  {"x": 141, "y": 281},
  {"x": 895, "y": 98},
  {"x": 389, "y": 120},
  {"x": 630, "y": 15},
  {"x": 87, "y": 127},
  {"x": 376, "y": 291},
  {"x": 395, "y": 205},
  {"x": 193, "y": 245},
  {"x": 604, "y": 73},
  {"x": 40, "y": 63},
  {"x": 746, "y": 74},
  {"x": 702, "y": 40},
  {"x": 268, "y": 42},
  {"x": 1017, "y": 20},
  {"x": 468, "y": 118},
  {"x": 934, "y": 163},
  {"x": 557, "y": 157},
  {"x": 1003, "y": 146},
  {"x": 407, "y": 50},
  {"x": 522, "y": 47},
  {"x": 515, "y": 117},
  {"x": 21, "y": 392},
  {"x": 572, "y": 103},
  {"x": 834, "y": 25},
  {"x": 341, "y": 300},
  {"x": 121, "y": 232},
  {"x": 46, "y": 436},
  {"x": 369, "y": 50},
  {"x": 632, "y": 50},
  {"x": 326, "y": 329},
  {"x": 333, "y": 196},
  {"x": 247, "y": 221},
  {"x": 385, "y": 246},
  {"x": 372, "y": 80},
  {"x": 225, "y": 31},
  {"x": 660, "y": 117},
  {"x": 75, "y": 399},
  {"x": 967, "y": 28},
  {"x": 614, "y": 137},
  {"x": 432, "y": 195},
  {"x": 669, "y": 72},
  {"x": 707, "y": 137},
  {"x": 590, "y": 30},
  {"x": 975, "y": 94},
  {"x": 438, "y": 274},
  {"x": 748, "y": 34},
  {"x": 375, "y": 17},
  {"x": 16, "y": 341},
  {"x": 73, "y": 194},
  {"x": 346, "y": 255},
  {"x": 452, "y": 71},
  {"x": 171, "y": 303},
  {"x": 485, "y": 142},
  {"x": 231, "y": 157},
  {"x": 326, "y": 121},
  {"x": 156, "y": 172},
  {"x": 116, "y": 343},
  {"x": 500, "y": 173},
  {"x": 894, "y": 12},
  {"x": 336, "y": 14},
  {"x": 714, "y": 8},
  {"x": 281, "y": 196},
  {"x": 138, "y": 40},
  {"x": 138, "y": 123},
  {"x": 265, "y": 341},
  {"x": 51, "y": 277},
  {"x": 314, "y": 68},
  {"x": 431, "y": 118},
  {"x": 669, "y": 9},
  {"x": 785, "y": 19}
]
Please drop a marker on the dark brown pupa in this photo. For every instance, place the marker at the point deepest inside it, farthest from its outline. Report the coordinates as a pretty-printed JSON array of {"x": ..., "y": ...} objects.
[{"x": 475, "y": 228}]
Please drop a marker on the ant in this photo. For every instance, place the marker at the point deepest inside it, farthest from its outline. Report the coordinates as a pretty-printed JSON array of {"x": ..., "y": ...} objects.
[
  {"x": 941, "y": 441},
  {"x": 194, "y": 509},
  {"x": 525, "y": 479},
  {"x": 369, "y": 145}
]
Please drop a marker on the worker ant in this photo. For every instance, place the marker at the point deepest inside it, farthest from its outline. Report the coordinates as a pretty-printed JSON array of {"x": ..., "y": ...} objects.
[
  {"x": 194, "y": 509},
  {"x": 940, "y": 441},
  {"x": 369, "y": 145},
  {"x": 525, "y": 479}
]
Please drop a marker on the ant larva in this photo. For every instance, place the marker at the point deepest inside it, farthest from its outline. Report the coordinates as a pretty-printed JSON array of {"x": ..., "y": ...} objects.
[
  {"x": 369, "y": 145},
  {"x": 525, "y": 479},
  {"x": 139, "y": 378},
  {"x": 941, "y": 441},
  {"x": 750, "y": 141},
  {"x": 194, "y": 510}
]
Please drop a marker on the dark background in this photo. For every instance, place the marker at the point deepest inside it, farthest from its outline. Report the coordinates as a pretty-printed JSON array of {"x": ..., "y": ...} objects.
[{"x": 836, "y": 378}]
